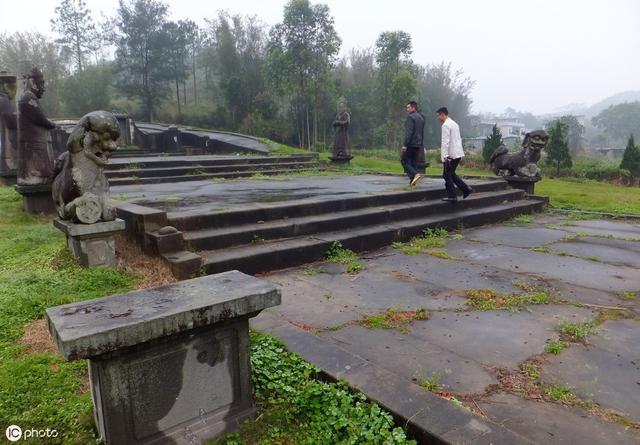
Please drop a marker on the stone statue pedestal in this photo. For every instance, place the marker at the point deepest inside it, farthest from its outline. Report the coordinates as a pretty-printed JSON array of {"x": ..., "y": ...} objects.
[
  {"x": 340, "y": 159},
  {"x": 522, "y": 183},
  {"x": 7, "y": 177},
  {"x": 92, "y": 244},
  {"x": 170, "y": 365},
  {"x": 36, "y": 199}
]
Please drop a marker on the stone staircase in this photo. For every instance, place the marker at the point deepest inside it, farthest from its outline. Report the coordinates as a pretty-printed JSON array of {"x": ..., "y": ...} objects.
[
  {"x": 195, "y": 168},
  {"x": 258, "y": 239}
]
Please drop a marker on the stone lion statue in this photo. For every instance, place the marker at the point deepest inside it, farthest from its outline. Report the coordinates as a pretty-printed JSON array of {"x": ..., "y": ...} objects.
[
  {"x": 523, "y": 163},
  {"x": 80, "y": 188}
]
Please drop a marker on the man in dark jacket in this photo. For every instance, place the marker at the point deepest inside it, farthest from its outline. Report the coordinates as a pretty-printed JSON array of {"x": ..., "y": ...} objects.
[{"x": 413, "y": 142}]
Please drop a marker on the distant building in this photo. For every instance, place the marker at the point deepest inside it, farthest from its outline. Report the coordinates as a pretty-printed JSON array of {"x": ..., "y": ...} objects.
[
  {"x": 507, "y": 126},
  {"x": 476, "y": 144}
]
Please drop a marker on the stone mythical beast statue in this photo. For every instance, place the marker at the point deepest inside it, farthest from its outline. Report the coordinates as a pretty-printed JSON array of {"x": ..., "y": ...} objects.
[
  {"x": 523, "y": 163},
  {"x": 80, "y": 187}
]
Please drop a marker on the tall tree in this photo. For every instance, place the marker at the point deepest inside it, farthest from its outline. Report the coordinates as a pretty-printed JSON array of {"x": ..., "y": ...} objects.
[
  {"x": 631, "y": 158},
  {"x": 558, "y": 149},
  {"x": 493, "y": 141},
  {"x": 574, "y": 132},
  {"x": 392, "y": 47},
  {"x": 618, "y": 121},
  {"x": 302, "y": 49},
  {"x": 140, "y": 54},
  {"x": 88, "y": 90},
  {"x": 76, "y": 30},
  {"x": 173, "y": 39}
]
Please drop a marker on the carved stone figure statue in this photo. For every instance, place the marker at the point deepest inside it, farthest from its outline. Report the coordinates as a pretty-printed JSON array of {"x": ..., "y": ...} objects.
[
  {"x": 342, "y": 143},
  {"x": 80, "y": 187},
  {"x": 523, "y": 163},
  {"x": 8, "y": 125},
  {"x": 35, "y": 165}
]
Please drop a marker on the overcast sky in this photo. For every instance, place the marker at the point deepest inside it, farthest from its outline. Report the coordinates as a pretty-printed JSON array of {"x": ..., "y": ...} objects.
[{"x": 531, "y": 55}]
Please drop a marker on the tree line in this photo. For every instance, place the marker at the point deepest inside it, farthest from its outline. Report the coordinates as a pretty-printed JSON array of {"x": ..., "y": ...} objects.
[{"x": 235, "y": 73}]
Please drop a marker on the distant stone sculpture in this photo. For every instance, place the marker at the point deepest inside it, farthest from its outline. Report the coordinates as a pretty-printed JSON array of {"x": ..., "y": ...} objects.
[
  {"x": 80, "y": 188},
  {"x": 8, "y": 127},
  {"x": 342, "y": 143},
  {"x": 523, "y": 163},
  {"x": 35, "y": 165}
]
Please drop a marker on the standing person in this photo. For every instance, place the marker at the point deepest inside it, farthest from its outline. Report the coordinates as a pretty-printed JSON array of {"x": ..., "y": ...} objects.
[
  {"x": 451, "y": 153},
  {"x": 413, "y": 142}
]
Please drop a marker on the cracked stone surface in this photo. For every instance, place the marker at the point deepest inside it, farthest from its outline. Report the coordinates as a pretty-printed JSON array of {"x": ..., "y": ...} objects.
[{"x": 467, "y": 347}]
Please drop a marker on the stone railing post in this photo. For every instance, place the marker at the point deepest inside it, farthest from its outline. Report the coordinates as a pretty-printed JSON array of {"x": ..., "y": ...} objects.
[{"x": 168, "y": 365}]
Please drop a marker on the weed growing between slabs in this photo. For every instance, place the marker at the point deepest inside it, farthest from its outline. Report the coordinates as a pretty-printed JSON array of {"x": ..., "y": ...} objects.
[
  {"x": 490, "y": 300},
  {"x": 394, "y": 318},
  {"x": 431, "y": 242},
  {"x": 339, "y": 254},
  {"x": 297, "y": 408}
]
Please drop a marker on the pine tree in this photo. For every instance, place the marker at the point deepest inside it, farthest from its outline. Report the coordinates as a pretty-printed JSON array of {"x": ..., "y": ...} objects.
[
  {"x": 77, "y": 32},
  {"x": 558, "y": 148},
  {"x": 631, "y": 158},
  {"x": 491, "y": 143}
]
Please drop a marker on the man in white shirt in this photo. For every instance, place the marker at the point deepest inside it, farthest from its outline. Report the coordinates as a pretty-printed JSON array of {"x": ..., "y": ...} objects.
[{"x": 451, "y": 153}]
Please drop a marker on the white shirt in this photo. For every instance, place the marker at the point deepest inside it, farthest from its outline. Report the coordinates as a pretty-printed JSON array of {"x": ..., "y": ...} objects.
[{"x": 451, "y": 145}]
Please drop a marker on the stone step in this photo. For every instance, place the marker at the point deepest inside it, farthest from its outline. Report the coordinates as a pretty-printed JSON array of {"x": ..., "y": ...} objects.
[
  {"x": 222, "y": 237},
  {"x": 202, "y": 177},
  {"x": 180, "y": 160},
  {"x": 190, "y": 221},
  {"x": 279, "y": 254},
  {"x": 200, "y": 169}
]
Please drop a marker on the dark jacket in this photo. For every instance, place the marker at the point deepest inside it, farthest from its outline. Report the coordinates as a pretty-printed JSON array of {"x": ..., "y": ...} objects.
[{"x": 414, "y": 130}]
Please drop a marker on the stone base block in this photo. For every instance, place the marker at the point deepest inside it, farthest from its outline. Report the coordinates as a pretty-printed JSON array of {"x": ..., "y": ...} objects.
[
  {"x": 37, "y": 198},
  {"x": 186, "y": 389},
  {"x": 341, "y": 159},
  {"x": 8, "y": 178},
  {"x": 92, "y": 244},
  {"x": 522, "y": 183}
]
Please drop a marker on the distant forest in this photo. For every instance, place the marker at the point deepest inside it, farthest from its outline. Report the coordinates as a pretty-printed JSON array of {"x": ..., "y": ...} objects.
[{"x": 235, "y": 73}]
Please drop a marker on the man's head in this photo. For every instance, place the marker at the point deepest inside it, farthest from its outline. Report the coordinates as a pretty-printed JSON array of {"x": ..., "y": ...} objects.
[
  {"x": 443, "y": 114},
  {"x": 412, "y": 106}
]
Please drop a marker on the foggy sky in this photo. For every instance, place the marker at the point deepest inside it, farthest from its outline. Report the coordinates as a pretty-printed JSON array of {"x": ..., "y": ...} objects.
[{"x": 530, "y": 55}]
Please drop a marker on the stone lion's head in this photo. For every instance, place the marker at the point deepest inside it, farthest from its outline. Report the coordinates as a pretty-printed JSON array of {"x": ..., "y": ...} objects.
[
  {"x": 95, "y": 135},
  {"x": 536, "y": 140}
]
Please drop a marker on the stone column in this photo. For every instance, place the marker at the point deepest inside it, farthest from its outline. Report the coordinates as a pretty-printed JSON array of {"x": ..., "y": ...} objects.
[
  {"x": 92, "y": 244},
  {"x": 170, "y": 365},
  {"x": 523, "y": 183},
  {"x": 8, "y": 129}
]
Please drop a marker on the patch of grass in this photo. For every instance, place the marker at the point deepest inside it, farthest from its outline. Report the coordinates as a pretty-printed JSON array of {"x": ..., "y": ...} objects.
[
  {"x": 560, "y": 393},
  {"x": 531, "y": 370},
  {"x": 311, "y": 271},
  {"x": 541, "y": 249},
  {"x": 394, "y": 318},
  {"x": 297, "y": 408},
  {"x": 555, "y": 347},
  {"x": 457, "y": 236},
  {"x": 132, "y": 166},
  {"x": 576, "y": 332},
  {"x": 431, "y": 242},
  {"x": 339, "y": 254},
  {"x": 611, "y": 314},
  {"x": 521, "y": 219},
  {"x": 432, "y": 382},
  {"x": 490, "y": 300},
  {"x": 255, "y": 239},
  {"x": 591, "y": 258},
  {"x": 628, "y": 296},
  {"x": 37, "y": 272},
  {"x": 590, "y": 195}
]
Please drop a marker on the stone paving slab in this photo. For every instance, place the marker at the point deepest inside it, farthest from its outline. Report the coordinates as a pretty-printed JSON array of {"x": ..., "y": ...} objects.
[
  {"x": 607, "y": 370},
  {"x": 522, "y": 236},
  {"x": 546, "y": 423},
  {"x": 615, "y": 229},
  {"x": 573, "y": 270},
  {"x": 611, "y": 251}
]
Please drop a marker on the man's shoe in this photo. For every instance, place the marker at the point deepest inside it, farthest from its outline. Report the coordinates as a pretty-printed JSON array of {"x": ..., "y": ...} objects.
[
  {"x": 416, "y": 178},
  {"x": 450, "y": 199},
  {"x": 467, "y": 193}
]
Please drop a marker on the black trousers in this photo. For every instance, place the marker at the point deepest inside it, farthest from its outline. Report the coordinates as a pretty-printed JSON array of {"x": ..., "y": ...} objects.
[
  {"x": 409, "y": 161},
  {"x": 451, "y": 179}
]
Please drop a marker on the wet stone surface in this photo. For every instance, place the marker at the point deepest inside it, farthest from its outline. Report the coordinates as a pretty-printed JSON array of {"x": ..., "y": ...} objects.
[{"x": 466, "y": 350}]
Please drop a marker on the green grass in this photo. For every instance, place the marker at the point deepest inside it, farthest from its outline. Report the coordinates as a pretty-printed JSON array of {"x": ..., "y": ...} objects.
[
  {"x": 531, "y": 370},
  {"x": 394, "y": 318},
  {"x": 297, "y": 408},
  {"x": 339, "y": 254},
  {"x": 432, "y": 382},
  {"x": 576, "y": 332},
  {"x": 541, "y": 249},
  {"x": 431, "y": 242},
  {"x": 521, "y": 219},
  {"x": 491, "y": 300},
  {"x": 560, "y": 393},
  {"x": 37, "y": 272},
  {"x": 628, "y": 296},
  {"x": 590, "y": 195},
  {"x": 555, "y": 347}
]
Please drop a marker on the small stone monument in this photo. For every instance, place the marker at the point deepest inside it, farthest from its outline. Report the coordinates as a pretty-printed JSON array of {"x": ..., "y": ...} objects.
[
  {"x": 35, "y": 159},
  {"x": 81, "y": 190},
  {"x": 8, "y": 129},
  {"x": 520, "y": 169},
  {"x": 341, "y": 144},
  {"x": 170, "y": 365}
]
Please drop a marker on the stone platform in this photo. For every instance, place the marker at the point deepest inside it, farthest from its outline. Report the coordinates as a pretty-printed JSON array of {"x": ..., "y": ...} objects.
[
  {"x": 495, "y": 361},
  {"x": 261, "y": 225}
]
